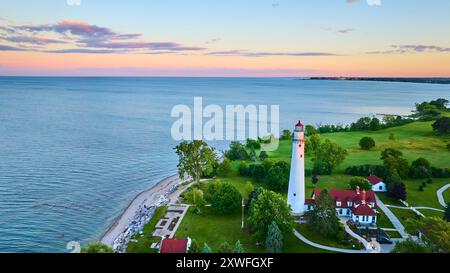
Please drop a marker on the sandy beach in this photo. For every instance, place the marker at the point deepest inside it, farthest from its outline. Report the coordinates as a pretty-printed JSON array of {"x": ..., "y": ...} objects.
[{"x": 148, "y": 198}]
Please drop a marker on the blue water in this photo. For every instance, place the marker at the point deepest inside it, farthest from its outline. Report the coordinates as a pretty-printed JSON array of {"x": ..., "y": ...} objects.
[{"x": 75, "y": 151}]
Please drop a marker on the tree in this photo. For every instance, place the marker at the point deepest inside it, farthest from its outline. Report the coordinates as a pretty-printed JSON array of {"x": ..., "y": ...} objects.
[
  {"x": 361, "y": 124},
  {"x": 411, "y": 246},
  {"x": 435, "y": 232},
  {"x": 266, "y": 208},
  {"x": 226, "y": 199},
  {"x": 395, "y": 163},
  {"x": 323, "y": 218},
  {"x": 328, "y": 156},
  {"x": 312, "y": 143},
  {"x": 198, "y": 200},
  {"x": 447, "y": 213},
  {"x": 258, "y": 172},
  {"x": 397, "y": 190},
  {"x": 421, "y": 162},
  {"x": 252, "y": 154},
  {"x": 361, "y": 183},
  {"x": 375, "y": 124},
  {"x": 206, "y": 249},
  {"x": 238, "y": 248},
  {"x": 391, "y": 152},
  {"x": 237, "y": 151},
  {"x": 225, "y": 247},
  {"x": 195, "y": 158},
  {"x": 367, "y": 143},
  {"x": 274, "y": 239},
  {"x": 441, "y": 103},
  {"x": 225, "y": 168},
  {"x": 263, "y": 156},
  {"x": 448, "y": 147},
  {"x": 248, "y": 189},
  {"x": 253, "y": 196},
  {"x": 94, "y": 248},
  {"x": 286, "y": 135},
  {"x": 311, "y": 130},
  {"x": 420, "y": 172},
  {"x": 278, "y": 176},
  {"x": 244, "y": 169},
  {"x": 442, "y": 125}
]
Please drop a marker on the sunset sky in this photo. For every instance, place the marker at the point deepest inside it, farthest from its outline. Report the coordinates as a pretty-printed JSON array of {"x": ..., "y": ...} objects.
[{"x": 248, "y": 38}]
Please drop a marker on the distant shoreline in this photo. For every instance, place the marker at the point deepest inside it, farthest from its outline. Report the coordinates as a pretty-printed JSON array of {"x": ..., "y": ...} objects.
[{"x": 386, "y": 79}]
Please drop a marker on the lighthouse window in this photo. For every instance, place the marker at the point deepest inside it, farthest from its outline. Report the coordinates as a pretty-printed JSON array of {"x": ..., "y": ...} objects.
[{"x": 295, "y": 195}]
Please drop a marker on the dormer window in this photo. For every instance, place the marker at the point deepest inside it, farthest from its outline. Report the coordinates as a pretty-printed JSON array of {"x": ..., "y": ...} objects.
[{"x": 338, "y": 203}]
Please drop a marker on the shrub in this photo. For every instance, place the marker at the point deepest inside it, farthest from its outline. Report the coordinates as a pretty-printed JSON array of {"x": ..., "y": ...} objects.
[
  {"x": 419, "y": 172},
  {"x": 367, "y": 143},
  {"x": 442, "y": 125},
  {"x": 237, "y": 151},
  {"x": 263, "y": 156},
  {"x": 421, "y": 162},
  {"x": 244, "y": 169},
  {"x": 448, "y": 147},
  {"x": 225, "y": 247},
  {"x": 253, "y": 144},
  {"x": 226, "y": 199},
  {"x": 258, "y": 172},
  {"x": 366, "y": 170},
  {"x": 225, "y": 168},
  {"x": 286, "y": 135}
]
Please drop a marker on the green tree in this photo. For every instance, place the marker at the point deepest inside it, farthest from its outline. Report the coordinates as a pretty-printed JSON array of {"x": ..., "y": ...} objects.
[
  {"x": 391, "y": 152},
  {"x": 225, "y": 168},
  {"x": 397, "y": 190},
  {"x": 195, "y": 158},
  {"x": 258, "y": 172},
  {"x": 276, "y": 179},
  {"x": 360, "y": 182},
  {"x": 421, "y": 162},
  {"x": 312, "y": 143},
  {"x": 93, "y": 248},
  {"x": 252, "y": 154},
  {"x": 253, "y": 144},
  {"x": 411, "y": 246},
  {"x": 435, "y": 232},
  {"x": 323, "y": 218},
  {"x": 225, "y": 247},
  {"x": 447, "y": 213},
  {"x": 394, "y": 163},
  {"x": 198, "y": 200},
  {"x": 286, "y": 135},
  {"x": 206, "y": 249},
  {"x": 266, "y": 208},
  {"x": 274, "y": 239},
  {"x": 248, "y": 189},
  {"x": 226, "y": 199},
  {"x": 442, "y": 125},
  {"x": 448, "y": 147},
  {"x": 237, "y": 151},
  {"x": 263, "y": 156},
  {"x": 328, "y": 156},
  {"x": 238, "y": 248},
  {"x": 375, "y": 124},
  {"x": 367, "y": 143},
  {"x": 311, "y": 130},
  {"x": 244, "y": 169}
]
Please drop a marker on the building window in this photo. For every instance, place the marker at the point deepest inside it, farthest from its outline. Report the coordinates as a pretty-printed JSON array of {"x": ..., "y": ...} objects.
[
  {"x": 381, "y": 187},
  {"x": 341, "y": 212},
  {"x": 338, "y": 204}
]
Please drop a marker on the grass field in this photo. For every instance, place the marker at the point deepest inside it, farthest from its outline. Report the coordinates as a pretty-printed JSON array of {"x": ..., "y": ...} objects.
[{"x": 214, "y": 229}]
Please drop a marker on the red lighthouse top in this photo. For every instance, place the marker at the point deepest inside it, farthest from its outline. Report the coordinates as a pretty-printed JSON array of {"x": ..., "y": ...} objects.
[{"x": 299, "y": 124}]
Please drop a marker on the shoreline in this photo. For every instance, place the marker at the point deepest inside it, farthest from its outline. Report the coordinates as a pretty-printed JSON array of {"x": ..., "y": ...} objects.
[{"x": 148, "y": 198}]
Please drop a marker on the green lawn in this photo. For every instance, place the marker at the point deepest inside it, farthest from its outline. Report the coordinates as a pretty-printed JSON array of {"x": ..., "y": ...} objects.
[
  {"x": 383, "y": 221},
  {"x": 404, "y": 215},
  {"x": 432, "y": 213},
  {"x": 213, "y": 229},
  {"x": 144, "y": 242},
  {"x": 393, "y": 234},
  {"x": 315, "y": 237}
]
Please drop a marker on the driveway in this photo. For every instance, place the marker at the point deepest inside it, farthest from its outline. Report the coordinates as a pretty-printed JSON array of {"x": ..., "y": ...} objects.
[{"x": 397, "y": 224}]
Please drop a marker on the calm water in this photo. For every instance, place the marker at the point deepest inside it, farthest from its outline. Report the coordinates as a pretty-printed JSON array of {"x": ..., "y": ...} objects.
[{"x": 75, "y": 151}]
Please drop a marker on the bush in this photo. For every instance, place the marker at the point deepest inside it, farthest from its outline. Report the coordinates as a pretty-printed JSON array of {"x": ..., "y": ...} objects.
[
  {"x": 360, "y": 182},
  {"x": 419, "y": 172},
  {"x": 276, "y": 179},
  {"x": 263, "y": 156},
  {"x": 226, "y": 199},
  {"x": 421, "y": 162},
  {"x": 440, "y": 173},
  {"x": 253, "y": 144},
  {"x": 448, "y": 147},
  {"x": 237, "y": 151},
  {"x": 258, "y": 172},
  {"x": 225, "y": 168},
  {"x": 244, "y": 169},
  {"x": 367, "y": 143},
  {"x": 366, "y": 170},
  {"x": 442, "y": 125},
  {"x": 286, "y": 135}
]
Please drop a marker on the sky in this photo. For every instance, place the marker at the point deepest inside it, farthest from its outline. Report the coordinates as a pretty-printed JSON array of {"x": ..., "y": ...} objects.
[{"x": 225, "y": 38}]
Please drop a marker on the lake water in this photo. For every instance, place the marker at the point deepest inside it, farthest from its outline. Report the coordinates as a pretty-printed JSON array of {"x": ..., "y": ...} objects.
[{"x": 75, "y": 151}]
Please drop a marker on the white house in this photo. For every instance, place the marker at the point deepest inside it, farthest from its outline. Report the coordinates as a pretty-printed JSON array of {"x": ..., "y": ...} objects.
[
  {"x": 377, "y": 184},
  {"x": 358, "y": 205}
]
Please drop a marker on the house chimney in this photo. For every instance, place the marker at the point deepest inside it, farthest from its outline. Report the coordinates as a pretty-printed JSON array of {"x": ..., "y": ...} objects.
[
  {"x": 363, "y": 198},
  {"x": 357, "y": 190}
]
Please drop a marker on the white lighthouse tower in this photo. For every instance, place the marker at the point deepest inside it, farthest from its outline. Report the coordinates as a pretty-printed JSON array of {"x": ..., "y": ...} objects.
[{"x": 296, "y": 194}]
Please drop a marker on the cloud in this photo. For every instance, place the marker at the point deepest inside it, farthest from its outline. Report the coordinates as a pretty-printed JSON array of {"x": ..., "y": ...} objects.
[
  {"x": 87, "y": 38},
  {"x": 247, "y": 53},
  {"x": 32, "y": 40},
  {"x": 402, "y": 49},
  {"x": 10, "y": 48},
  {"x": 345, "y": 30}
]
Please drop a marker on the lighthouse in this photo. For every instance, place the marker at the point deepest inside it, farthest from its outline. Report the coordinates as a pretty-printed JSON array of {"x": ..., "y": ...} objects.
[{"x": 296, "y": 193}]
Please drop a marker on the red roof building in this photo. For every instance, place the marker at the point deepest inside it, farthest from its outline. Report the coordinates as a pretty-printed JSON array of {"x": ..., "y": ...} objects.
[
  {"x": 358, "y": 205},
  {"x": 374, "y": 180},
  {"x": 173, "y": 246}
]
